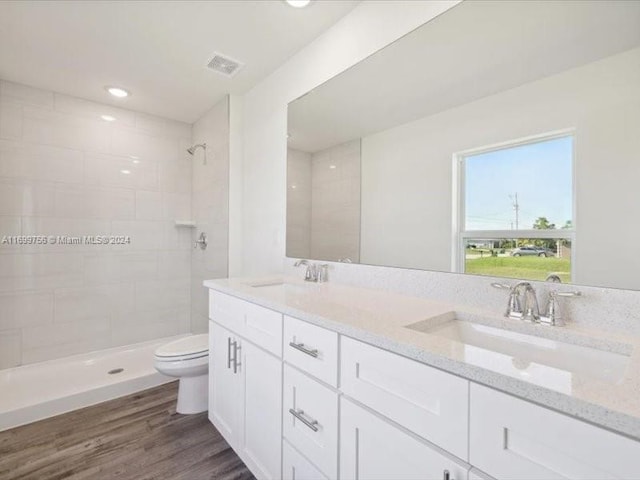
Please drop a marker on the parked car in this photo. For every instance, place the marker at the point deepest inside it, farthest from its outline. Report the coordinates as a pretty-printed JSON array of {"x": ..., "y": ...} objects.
[{"x": 537, "y": 251}]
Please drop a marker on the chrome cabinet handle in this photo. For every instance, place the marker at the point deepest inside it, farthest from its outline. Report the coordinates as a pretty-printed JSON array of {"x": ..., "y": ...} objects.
[
  {"x": 228, "y": 352},
  {"x": 236, "y": 363},
  {"x": 299, "y": 414},
  {"x": 312, "y": 352}
]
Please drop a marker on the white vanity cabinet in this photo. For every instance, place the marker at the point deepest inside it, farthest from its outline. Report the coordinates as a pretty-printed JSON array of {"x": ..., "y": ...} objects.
[
  {"x": 371, "y": 448},
  {"x": 514, "y": 439},
  {"x": 301, "y": 402},
  {"x": 245, "y": 387}
]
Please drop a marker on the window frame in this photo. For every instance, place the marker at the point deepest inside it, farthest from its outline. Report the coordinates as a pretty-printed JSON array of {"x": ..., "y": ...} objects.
[{"x": 460, "y": 235}]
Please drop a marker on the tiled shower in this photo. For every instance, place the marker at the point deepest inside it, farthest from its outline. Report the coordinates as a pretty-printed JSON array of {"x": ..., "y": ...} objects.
[{"x": 71, "y": 168}]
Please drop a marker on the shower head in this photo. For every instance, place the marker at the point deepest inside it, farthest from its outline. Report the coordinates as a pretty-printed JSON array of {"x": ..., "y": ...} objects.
[{"x": 191, "y": 150}]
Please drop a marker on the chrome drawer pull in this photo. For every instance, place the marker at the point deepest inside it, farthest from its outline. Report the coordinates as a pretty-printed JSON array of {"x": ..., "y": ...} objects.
[
  {"x": 312, "y": 352},
  {"x": 312, "y": 424}
]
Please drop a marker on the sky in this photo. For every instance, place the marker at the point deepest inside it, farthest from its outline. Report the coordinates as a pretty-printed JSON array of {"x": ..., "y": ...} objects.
[{"x": 540, "y": 173}]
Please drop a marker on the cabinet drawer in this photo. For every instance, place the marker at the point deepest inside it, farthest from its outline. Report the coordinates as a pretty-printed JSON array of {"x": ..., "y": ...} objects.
[
  {"x": 316, "y": 435},
  {"x": 514, "y": 439},
  {"x": 312, "y": 349},
  {"x": 371, "y": 448},
  {"x": 296, "y": 467},
  {"x": 427, "y": 401},
  {"x": 257, "y": 324}
]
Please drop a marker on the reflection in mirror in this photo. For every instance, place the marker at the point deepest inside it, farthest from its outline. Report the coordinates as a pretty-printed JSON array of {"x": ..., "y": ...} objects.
[
  {"x": 534, "y": 178},
  {"x": 474, "y": 154}
]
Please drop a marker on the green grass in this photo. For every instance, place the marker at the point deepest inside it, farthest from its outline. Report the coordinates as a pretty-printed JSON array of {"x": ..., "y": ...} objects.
[{"x": 528, "y": 268}]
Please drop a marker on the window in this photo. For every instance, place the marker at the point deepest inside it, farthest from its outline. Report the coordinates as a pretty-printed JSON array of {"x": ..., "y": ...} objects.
[{"x": 514, "y": 215}]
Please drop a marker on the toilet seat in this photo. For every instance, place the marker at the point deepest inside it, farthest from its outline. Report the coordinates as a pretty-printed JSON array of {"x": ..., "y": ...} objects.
[{"x": 188, "y": 348}]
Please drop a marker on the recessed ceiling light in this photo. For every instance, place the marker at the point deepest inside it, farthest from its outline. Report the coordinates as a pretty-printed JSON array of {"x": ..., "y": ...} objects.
[
  {"x": 332, "y": 167},
  {"x": 134, "y": 159},
  {"x": 108, "y": 118},
  {"x": 117, "y": 92},
  {"x": 125, "y": 172},
  {"x": 298, "y": 3}
]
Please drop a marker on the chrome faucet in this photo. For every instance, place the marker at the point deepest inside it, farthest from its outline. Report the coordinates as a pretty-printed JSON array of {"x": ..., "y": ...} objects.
[
  {"x": 314, "y": 272},
  {"x": 523, "y": 304}
]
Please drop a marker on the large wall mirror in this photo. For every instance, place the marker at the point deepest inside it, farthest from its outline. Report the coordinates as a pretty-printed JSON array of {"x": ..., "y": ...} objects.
[{"x": 501, "y": 138}]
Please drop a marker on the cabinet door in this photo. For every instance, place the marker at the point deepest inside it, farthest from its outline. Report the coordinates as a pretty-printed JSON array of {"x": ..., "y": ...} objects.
[
  {"x": 225, "y": 384},
  {"x": 373, "y": 449},
  {"x": 296, "y": 467},
  {"x": 514, "y": 439},
  {"x": 262, "y": 435}
]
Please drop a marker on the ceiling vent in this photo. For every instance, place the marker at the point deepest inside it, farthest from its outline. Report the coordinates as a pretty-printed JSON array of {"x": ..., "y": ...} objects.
[{"x": 224, "y": 65}]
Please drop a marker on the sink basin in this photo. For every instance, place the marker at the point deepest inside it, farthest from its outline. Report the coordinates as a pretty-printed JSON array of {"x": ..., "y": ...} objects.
[{"x": 547, "y": 361}]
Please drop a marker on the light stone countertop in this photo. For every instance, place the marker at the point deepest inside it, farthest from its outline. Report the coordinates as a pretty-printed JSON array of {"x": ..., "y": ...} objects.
[{"x": 380, "y": 318}]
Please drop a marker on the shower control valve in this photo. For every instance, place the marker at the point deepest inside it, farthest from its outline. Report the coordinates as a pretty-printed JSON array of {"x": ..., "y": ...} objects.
[{"x": 201, "y": 241}]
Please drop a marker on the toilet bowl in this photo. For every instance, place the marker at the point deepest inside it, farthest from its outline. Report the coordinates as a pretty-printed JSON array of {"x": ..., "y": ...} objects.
[{"x": 188, "y": 360}]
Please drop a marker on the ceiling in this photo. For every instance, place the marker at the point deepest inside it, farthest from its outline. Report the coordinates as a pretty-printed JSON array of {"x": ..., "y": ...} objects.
[
  {"x": 157, "y": 50},
  {"x": 476, "y": 49}
]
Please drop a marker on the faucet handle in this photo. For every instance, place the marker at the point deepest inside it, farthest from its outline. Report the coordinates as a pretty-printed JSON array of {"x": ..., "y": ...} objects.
[
  {"x": 552, "y": 315},
  {"x": 575, "y": 293},
  {"x": 501, "y": 286},
  {"x": 322, "y": 273}
]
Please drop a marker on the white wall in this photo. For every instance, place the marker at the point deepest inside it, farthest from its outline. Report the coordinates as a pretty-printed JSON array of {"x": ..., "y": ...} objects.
[
  {"x": 262, "y": 201},
  {"x": 407, "y": 170},
  {"x": 210, "y": 208},
  {"x": 61, "y": 173}
]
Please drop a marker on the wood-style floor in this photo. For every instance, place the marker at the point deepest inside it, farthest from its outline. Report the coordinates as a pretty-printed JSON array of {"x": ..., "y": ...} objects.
[{"x": 138, "y": 437}]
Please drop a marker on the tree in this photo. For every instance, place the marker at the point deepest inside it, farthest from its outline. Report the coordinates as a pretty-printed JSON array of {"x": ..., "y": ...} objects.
[{"x": 542, "y": 223}]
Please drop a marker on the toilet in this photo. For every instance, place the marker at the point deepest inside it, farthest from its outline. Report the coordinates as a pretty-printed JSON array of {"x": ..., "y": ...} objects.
[{"x": 188, "y": 360}]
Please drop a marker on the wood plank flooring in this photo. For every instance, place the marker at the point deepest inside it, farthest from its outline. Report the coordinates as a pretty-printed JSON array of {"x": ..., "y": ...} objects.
[{"x": 137, "y": 437}]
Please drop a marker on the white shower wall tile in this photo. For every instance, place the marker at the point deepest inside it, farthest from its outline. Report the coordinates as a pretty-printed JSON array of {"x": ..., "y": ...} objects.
[
  {"x": 10, "y": 119},
  {"x": 151, "y": 324},
  {"x": 83, "y": 303},
  {"x": 162, "y": 294},
  {"x": 28, "y": 309},
  {"x": 52, "y": 128},
  {"x": 40, "y": 162},
  {"x": 176, "y": 206},
  {"x": 22, "y": 197},
  {"x": 148, "y": 205},
  {"x": 65, "y": 171},
  {"x": 10, "y": 348},
  {"x": 79, "y": 107},
  {"x": 43, "y": 343},
  {"x": 121, "y": 171}
]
